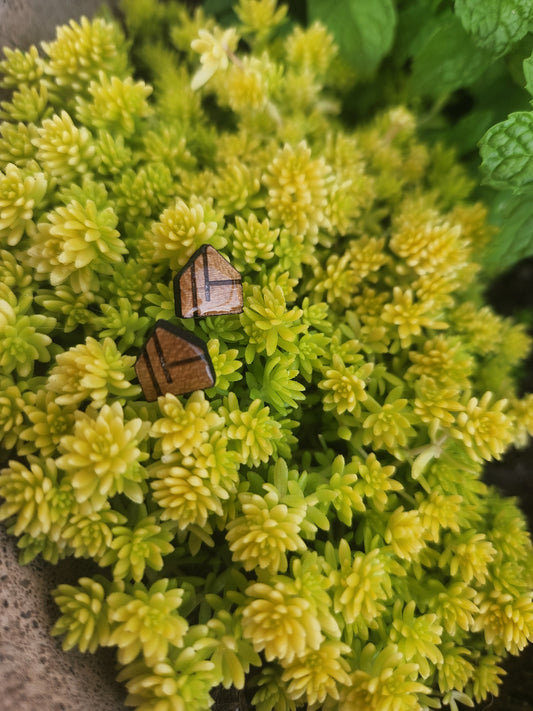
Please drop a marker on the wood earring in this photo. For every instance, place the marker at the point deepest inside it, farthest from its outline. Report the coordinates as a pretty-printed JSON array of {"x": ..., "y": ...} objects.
[
  {"x": 175, "y": 361},
  {"x": 208, "y": 285}
]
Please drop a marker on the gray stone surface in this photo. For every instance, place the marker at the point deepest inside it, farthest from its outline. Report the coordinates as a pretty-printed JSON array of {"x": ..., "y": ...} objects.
[
  {"x": 35, "y": 673},
  {"x": 27, "y": 22}
]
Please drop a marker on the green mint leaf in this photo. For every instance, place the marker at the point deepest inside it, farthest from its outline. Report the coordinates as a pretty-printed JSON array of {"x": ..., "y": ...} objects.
[
  {"x": 363, "y": 29},
  {"x": 507, "y": 152},
  {"x": 416, "y": 21},
  {"x": 528, "y": 73},
  {"x": 495, "y": 25},
  {"x": 447, "y": 60},
  {"x": 514, "y": 216}
]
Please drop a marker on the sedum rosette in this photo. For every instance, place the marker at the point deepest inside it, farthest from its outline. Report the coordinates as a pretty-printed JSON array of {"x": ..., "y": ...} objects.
[{"x": 315, "y": 526}]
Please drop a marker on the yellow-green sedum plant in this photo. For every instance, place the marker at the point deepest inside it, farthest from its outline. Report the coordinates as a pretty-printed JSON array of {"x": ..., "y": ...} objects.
[{"x": 315, "y": 526}]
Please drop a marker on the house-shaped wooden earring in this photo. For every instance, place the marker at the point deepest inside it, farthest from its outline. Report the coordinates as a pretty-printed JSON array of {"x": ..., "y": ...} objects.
[
  {"x": 208, "y": 285},
  {"x": 175, "y": 361}
]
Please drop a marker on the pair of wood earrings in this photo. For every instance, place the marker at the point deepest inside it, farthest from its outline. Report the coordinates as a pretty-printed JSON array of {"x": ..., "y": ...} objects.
[{"x": 173, "y": 360}]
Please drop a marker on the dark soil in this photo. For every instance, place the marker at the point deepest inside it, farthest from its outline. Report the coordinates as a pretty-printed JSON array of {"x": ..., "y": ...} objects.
[
  {"x": 514, "y": 477},
  {"x": 512, "y": 295}
]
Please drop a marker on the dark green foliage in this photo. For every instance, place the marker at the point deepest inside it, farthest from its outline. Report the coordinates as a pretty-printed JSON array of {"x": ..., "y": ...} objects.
[
  {"x": 464, "y": 69},
  {"x": 363, "y": 29}
]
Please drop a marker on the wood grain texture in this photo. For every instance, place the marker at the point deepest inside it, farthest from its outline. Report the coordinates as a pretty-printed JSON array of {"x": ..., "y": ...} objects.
[
  {"x": 208, "y": 285},
  {"x": 173, "y": 361}
]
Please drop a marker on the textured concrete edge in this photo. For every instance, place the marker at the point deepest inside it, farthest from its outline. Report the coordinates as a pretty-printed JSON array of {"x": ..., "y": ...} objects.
[
  {"x": 35, "y": 673},
  {"x": 27, "y": 22}
]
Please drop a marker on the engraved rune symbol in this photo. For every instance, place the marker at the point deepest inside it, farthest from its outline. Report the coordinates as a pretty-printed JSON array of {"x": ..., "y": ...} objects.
[
  {"x": 173, "y": 361},
  {"x": 208, "y": 285}
]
